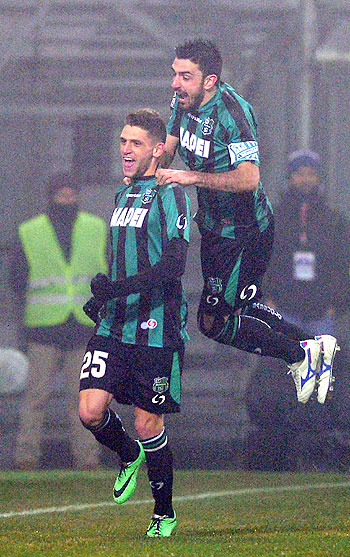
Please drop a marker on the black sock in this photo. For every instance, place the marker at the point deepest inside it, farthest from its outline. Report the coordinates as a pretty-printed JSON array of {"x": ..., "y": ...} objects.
[
  {"x": 112, "y": 434},
  {"x": 254, "y": 335},
  {"x": 159, "y": 461},
  {"x": 276, "y": 321}
]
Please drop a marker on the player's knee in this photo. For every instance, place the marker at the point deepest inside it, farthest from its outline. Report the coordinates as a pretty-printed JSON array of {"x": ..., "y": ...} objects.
[
  {"x": 90, "y": 414},
  {"x": 149, "y": 425},
  {"x": 209, "y": 324}
]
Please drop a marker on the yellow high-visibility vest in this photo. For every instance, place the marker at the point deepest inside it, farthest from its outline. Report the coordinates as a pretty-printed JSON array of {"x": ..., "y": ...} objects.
[{"x": 57, "y": 287}]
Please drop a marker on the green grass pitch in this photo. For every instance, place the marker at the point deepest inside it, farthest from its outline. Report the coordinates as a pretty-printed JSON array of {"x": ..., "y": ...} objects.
[{"x": 220, "y": 513}]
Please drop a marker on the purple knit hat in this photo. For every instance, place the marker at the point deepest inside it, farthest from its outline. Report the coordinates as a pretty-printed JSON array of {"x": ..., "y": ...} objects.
[{"x": 297, "y": 159}]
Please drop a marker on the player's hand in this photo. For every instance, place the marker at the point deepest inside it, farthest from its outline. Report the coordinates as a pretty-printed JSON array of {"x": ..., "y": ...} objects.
[
  {"x": 102, "y": 287},
  {"x": 170, "y": 175},
  {"x": 92, "y": 309}
]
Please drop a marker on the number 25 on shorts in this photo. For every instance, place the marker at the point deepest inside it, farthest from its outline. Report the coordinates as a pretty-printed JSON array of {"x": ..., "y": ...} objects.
[{"x": 97, "y": 361}]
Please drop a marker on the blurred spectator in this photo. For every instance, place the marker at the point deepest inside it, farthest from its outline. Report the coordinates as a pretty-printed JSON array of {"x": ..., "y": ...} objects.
[
  {"x": 52, "y": 262},
  {"x": 308, "y": 277},
  {"x": 308, "y": 280}
]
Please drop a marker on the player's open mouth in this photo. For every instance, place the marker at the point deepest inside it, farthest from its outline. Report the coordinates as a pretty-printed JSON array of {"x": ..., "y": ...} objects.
[
  {"x": 182, "y": 97},
  {"x": 128, "y": 163}
]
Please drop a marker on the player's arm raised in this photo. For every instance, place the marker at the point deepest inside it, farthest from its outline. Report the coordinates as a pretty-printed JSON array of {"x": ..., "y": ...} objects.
[
  {"x": 169, "y": 151},
  {"x": 244, "y": 178}
]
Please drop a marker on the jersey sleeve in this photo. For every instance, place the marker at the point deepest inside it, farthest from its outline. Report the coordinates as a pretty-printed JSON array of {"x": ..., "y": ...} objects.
[
  {"x": 173, "y": 126},
  {"x": 177, "y": 211},
  {"x": 242, "y": 141}
]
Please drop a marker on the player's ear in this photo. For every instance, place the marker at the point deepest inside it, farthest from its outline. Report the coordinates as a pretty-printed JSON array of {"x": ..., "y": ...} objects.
[
  {"x": 210, "y": 81},
  {"x": 158, "y": 150}
]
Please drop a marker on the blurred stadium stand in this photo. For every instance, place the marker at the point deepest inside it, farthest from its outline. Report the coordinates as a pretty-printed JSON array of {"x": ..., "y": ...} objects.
[{"x": 71, "y": 70}]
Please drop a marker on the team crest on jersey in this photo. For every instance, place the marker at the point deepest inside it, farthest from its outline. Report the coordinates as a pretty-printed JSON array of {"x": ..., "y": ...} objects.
[
  {"x": 207, "y": 126},
  {"x": 160, "y": 385},
  {"x": 215, "y": 284},
  {"x": 148, "y": 196}
]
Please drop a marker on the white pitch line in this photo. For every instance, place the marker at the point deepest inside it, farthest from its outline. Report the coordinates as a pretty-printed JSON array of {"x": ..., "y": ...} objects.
[{"x": 194, "y": 497}]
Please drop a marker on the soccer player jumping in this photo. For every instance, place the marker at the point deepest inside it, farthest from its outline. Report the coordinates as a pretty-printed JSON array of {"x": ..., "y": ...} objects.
[
  {"x": 214, "y": 130},
  {"x": 136, "y": 353}
]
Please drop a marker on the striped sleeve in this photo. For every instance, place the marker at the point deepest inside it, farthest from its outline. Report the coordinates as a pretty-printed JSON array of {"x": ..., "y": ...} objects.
[{"x": 177, "y": 210}]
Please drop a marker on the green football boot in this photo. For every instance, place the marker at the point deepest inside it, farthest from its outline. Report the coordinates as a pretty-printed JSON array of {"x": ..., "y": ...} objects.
[
  {"x": 125, "y": 483},
  {"x": 161, "y": 526}
]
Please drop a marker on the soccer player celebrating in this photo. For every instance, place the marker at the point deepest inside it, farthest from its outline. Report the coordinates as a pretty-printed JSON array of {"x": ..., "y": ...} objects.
[
  {"x": 136, "y": 353},
  {"x": 214, "y": 130}
]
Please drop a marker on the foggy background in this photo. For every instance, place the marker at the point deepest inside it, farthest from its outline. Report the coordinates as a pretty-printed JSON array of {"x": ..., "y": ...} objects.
[{"x": 71, "y": 70}]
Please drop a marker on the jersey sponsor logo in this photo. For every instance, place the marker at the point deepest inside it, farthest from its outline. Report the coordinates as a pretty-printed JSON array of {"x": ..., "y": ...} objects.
[
  {"x": 160, "y": 385},
  {"x": 133, "y": 195},
  {"x": 128, "y": 216},
  {"x": 181, "y": 222},
  {"x": 196, "y": 145},
  {"x": 207, "y": 126},
  {"x": 195, "y": 118},
  {"x": 248, "y": 292},
  {"x": 150, "y": 324},
  {"x": 244, "y": 151}
]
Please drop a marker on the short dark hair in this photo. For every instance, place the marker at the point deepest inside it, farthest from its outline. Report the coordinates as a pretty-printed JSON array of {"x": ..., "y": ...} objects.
[
  {"x": 149, "y": 120},
  {"x": 204, "y": 53}
]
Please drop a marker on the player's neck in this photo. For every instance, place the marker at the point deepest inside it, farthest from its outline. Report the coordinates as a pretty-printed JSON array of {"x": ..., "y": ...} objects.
[{"x": 208, "y": 95}]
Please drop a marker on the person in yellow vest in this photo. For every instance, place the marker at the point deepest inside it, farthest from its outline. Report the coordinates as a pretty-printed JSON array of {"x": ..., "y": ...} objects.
[{"x": 52, "y": 263}]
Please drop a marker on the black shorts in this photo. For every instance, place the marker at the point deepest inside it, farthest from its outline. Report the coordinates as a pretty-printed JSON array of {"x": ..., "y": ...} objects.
[
  {"x": 233, "y": 270},
  {"x": 147, "y": 377}
]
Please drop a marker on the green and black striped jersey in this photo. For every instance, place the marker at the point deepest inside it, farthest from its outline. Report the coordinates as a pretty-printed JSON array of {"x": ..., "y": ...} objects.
[
  {"x": 145, "y": 220},
  {"x": 216, "y": 138}
]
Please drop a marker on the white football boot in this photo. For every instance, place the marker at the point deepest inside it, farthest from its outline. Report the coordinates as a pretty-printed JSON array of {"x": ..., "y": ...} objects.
[
  {"x": 325, "y": 378},
  {"x": 304, "y": 372}
]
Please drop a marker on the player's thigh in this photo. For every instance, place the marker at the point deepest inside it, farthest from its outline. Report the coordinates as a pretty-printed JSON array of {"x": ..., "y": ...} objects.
[
  {"x": 258, "y": 251},
  {"x": 253, "y": 265},
  {"x": 157, "y": 379},
  {"x": 221, "y": 265},
  {"x": 105, "y": 365},
  {"x": 233, "y": 270}
]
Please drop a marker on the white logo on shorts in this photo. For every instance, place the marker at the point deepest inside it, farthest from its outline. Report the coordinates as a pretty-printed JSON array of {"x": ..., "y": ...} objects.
[
  {"x": 245, "y": 292},
  {"x": 212, "y": 300}
]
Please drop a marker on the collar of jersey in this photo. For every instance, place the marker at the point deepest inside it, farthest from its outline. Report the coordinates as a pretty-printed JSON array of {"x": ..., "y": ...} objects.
[
  {"x": 144, "y": 181},
  {"x": 214, "y": 99}
]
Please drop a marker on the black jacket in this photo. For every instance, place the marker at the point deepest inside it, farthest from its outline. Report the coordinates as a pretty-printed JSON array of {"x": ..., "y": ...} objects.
[{"x": 306, "y": 224}]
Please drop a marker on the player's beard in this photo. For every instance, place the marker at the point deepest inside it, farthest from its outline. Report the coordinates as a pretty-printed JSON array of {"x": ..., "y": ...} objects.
[
  {"x": 194, "y": 102},
  {"x": 197, "y": 100}
]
